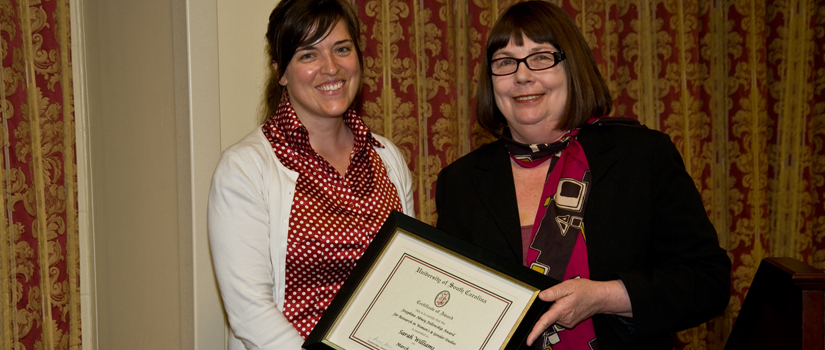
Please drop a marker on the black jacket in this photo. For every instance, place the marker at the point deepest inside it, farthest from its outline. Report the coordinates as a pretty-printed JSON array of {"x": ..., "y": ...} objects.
[{"x": 644, "y": 222}]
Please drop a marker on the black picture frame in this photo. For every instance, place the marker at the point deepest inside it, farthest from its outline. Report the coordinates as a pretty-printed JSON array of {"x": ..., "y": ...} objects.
[{"x": 400, "y": 225}]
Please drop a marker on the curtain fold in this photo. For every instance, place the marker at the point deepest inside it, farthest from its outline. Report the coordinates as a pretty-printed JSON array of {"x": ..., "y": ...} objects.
[
  {"x": 39, "y": 253},
  {"x": 737, "y": 84}
]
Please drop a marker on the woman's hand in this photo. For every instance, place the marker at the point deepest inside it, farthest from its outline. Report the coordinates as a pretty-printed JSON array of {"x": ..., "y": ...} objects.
[{"x": 575, "y": 300}]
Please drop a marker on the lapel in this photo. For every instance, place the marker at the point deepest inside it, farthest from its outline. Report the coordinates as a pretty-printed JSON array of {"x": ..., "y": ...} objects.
[
  {"x": 598, "y": 148},
  {"x": 493, "y": 184},
  {"x": 493, "y": 181}
]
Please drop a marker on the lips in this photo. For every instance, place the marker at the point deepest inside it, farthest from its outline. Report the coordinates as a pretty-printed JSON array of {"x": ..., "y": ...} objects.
[
  {"x": 527, "y": 97},
  {"x": 331, "y": 87}
]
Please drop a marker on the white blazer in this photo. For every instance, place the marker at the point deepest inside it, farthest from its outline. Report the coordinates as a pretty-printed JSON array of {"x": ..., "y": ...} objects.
[{"x": 248, "y": 219}]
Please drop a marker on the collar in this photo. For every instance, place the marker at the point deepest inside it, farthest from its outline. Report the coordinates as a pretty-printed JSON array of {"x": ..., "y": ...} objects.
[
  {"x": 534, "y": 154},
  {"x": 287, "y": 128}
]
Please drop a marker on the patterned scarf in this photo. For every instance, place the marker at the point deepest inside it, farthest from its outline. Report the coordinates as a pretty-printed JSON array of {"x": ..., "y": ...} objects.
[
  {"x": 558, "y": 247},
  {"x": 333, "y": 217}
]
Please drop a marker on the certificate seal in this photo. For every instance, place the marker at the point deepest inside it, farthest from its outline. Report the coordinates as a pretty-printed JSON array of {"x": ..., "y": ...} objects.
[{"x": 442, "y": 298}]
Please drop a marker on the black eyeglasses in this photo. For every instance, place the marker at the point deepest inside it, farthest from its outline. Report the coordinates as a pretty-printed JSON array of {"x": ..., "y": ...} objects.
[{"x": 535, "y": 62}]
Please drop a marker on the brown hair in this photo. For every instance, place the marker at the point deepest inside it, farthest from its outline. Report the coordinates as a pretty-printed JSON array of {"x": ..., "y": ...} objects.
[
  {"x": 544, "y": 22},
  {"x": 298, "y": 23}
]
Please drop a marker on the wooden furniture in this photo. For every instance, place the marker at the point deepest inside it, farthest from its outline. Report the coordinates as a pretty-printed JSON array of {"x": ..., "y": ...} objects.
[{"x": 784, "y": 308}]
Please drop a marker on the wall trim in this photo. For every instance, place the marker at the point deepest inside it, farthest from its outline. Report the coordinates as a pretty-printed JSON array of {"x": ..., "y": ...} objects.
[{"x": 88, "y": 295}]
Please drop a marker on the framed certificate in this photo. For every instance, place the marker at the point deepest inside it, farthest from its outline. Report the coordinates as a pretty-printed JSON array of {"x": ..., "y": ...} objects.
[{"x": 417, "y": 288}]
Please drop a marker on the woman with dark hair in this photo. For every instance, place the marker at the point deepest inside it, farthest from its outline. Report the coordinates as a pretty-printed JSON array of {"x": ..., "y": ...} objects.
[
  {"x": 295, "y": 204},
  {"x": 602, "y": 204}
]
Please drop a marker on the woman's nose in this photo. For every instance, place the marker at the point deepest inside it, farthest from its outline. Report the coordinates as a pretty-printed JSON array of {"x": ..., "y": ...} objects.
[
  {"x": 330, "y": 64},
  {"x": 523, "y": 74}
]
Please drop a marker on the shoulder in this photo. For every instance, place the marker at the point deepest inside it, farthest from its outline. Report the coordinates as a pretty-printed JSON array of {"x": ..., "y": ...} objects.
[
  {"x": 388, "y": 146},
  {"x": 253, "y": 144},
  {"x": 486, "y": 156},
  {"x": 250, "y": 155},
  {"x": 607, "y": 135},
  {"x": 390, "y": 154}
]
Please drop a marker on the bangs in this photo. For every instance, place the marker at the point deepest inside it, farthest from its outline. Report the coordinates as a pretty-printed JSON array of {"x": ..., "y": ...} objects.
[
  {"x": 517, "y": 23},
  {"x": 317, "y": 31}
]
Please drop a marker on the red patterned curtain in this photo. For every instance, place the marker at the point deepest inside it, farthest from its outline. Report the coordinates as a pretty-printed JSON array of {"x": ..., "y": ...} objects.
[
  {"x": 39, "y": 255},
  {"x": 737, "y": 84}
]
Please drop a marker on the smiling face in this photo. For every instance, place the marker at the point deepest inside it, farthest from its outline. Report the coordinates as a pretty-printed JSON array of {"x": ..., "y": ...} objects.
[
  {"x": 532, "y": 102},
  {"x": 323, "y": 78}
]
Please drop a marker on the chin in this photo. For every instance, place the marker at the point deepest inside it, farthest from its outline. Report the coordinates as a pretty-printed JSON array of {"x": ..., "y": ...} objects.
[{"x": 337, "y": 111}]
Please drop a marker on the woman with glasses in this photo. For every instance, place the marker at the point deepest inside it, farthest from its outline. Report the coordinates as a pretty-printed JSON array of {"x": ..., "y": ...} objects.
[{"x": 602, "y": 204}]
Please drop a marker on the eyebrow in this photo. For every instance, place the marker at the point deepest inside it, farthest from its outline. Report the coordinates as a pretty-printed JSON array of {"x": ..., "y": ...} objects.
[
  {"x": 310, "y": 47},
  {"x": 503, "y": 53}
]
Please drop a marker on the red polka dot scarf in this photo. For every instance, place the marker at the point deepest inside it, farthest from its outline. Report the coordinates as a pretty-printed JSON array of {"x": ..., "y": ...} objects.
[{"x": 333, "y": 218}]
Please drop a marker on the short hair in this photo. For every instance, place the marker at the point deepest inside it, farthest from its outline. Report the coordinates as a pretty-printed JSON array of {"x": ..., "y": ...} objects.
[
  {"x": 544, "y": 22},
  {"x": 297, "y": 23}
]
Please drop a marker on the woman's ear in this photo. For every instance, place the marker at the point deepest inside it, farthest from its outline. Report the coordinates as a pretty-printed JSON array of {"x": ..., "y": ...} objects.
[{"x": 282, "y": 81}]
